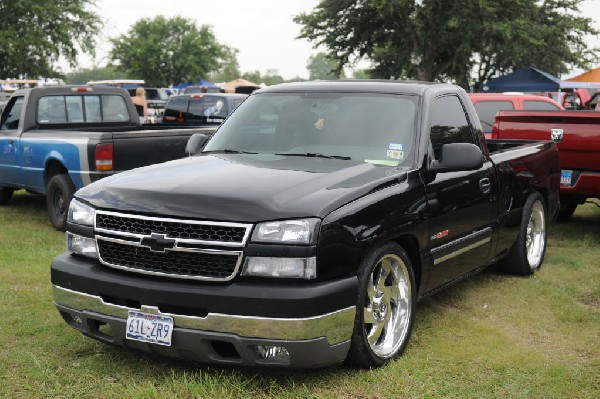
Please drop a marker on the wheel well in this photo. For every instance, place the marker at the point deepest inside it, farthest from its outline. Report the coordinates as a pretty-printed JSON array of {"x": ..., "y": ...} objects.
[
  {"x": 411, "y": 246},
  {"x": 52, "y": 169}
]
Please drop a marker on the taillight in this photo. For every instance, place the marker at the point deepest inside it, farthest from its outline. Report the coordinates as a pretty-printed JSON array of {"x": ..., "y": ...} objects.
[{"x": 104, "y": 157}]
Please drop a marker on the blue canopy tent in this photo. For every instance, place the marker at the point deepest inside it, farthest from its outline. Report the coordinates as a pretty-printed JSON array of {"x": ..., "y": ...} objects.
[
  {"x": 200, "y": 83},
  {"x": 530, "y": 79},
  {"x": 525, "y": 80}
]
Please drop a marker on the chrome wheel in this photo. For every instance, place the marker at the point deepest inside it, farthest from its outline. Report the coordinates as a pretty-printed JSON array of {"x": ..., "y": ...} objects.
[
  {"x": 535, "y": 238},
  {"x": 388, "y": 304}
]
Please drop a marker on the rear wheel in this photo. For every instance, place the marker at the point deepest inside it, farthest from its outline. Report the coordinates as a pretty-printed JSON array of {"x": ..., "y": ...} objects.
[
  {"x": 6, "y": 194},
  {"x": 567, "y": 208},
  {"x": 527, "y": 253},
  {"x": 385, "y": 307},
  {"x": 59, "y": 195}
]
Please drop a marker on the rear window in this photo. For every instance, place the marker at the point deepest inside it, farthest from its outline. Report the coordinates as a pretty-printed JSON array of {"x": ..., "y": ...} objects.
[
  {"x": 207, "y": 107},
  {"x": 535, "y": 105},
  {"x": 487, "y": 110},
  {"x": 81, "y": 109}
]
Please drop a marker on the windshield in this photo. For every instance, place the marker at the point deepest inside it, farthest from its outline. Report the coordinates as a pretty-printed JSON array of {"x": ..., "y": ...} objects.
[{"x": 365, "y": 127}]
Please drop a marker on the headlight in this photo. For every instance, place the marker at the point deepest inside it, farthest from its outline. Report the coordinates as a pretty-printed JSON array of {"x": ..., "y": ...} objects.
[
  {"x": 82, "y": 245},
  {"x": 300, "y": 231},
  {"x": 81, "y": 213},
  {"x": 305, "y": 268}
]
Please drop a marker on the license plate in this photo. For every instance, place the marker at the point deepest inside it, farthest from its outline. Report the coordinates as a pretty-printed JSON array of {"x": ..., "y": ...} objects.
[
  {"x": 565, "y": 177},
  {"x": 149, "y": 328}
]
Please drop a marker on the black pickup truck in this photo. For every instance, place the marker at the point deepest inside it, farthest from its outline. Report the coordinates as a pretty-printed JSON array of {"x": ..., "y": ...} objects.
[
  {"x": 55, "y": 140},
  {"x": 303, "y": 233}
]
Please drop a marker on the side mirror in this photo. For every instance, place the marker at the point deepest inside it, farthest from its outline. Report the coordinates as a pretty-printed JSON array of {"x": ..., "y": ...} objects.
[
  {"x": 458, "y": 157},
  {"x": 195, "y": 144}
]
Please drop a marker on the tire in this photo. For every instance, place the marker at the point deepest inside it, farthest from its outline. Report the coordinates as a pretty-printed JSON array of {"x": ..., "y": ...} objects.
[
  {"x": 385, "y": 307},
  {"x": 527, "y": 253},
  {"x": 567, "y": 208},
  {"x": 58, "y": 197},
  {"x": 6, "y": 194}
]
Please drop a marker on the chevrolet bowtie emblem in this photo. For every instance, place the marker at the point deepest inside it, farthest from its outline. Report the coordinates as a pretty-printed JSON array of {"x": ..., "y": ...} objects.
[{"x": 158, "y": 242}]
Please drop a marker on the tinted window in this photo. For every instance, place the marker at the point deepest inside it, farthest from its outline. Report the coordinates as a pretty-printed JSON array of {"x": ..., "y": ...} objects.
[
  {"x": 449, "y": 124},
  {"x": 535, "y": 105},
  {"x": 487, "y": 110},
  {"x": 373, "y": 128},
  {"x": 12, "y": 113},
  {"x": 207, "y": 107},
  {"x": 175, "y": 106},
  {"x": 78, "y": 109}
]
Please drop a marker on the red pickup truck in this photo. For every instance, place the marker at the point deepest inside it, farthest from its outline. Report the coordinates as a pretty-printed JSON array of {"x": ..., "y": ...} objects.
[{"x": 577, "y": 134}]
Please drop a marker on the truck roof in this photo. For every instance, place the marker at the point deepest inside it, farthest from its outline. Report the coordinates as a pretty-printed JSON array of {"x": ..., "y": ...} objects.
[
  {"x": 383, "y": 86},
  {"x": 72, "y": 89}
]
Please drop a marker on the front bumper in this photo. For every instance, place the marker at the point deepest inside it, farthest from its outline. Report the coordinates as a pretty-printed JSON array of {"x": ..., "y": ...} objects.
[{"x": 314, "y": 336}]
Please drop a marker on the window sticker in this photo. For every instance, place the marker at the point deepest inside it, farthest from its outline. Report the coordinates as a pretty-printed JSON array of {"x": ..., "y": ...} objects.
[
  {"x": 395, "y": 146},
  {"x": 395, "y": 154},
  {"x": 319, "y": 123}
]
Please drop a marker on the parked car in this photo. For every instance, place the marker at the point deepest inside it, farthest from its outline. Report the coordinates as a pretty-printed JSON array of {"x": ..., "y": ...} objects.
[
  {"x": 577, "y": 134},
  {"x": 202, "y": 89},
  {"x": 303, "y": 233},
  {"x": 487, "y": 105},
  {"x": 55, "y": 140},
  {"x": 201, "y": 109}
]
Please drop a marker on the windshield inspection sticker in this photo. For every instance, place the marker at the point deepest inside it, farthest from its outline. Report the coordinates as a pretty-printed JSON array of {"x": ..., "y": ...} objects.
[
  {"x": 395, "y": 146},
  {"x": 394, "y": 154},
  {"x": 319, "y": 123}
]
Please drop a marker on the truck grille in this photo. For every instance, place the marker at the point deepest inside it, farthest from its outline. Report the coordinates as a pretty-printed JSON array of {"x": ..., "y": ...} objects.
[
  {"x": 201, "y": 231},
  {"x": 170, "y": 247},
  {"x": 182, "y": 264}
]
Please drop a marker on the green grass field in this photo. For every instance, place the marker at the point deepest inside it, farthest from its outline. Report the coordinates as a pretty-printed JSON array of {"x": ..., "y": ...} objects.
[{"x": 489, "y": 337}]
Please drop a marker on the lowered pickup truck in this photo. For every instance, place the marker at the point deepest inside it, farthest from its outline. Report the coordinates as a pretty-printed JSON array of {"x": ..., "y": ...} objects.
[
  {"x": 577, "y": 134},
  {"x": 55, "y": 140},
  {"x": 303, "y": 233}
]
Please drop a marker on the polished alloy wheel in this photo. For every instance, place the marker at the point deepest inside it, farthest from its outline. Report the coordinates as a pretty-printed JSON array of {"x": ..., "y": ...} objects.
[
  {"x": 387, "y": 306},
  {"x": 536, "y": 235}
]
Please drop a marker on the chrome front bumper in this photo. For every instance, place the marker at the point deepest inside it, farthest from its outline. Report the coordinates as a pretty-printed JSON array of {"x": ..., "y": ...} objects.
[{"x": 312, "y": 342}]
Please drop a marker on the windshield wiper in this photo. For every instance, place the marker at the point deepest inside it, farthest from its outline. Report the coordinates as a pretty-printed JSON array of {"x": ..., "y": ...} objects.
[
  {"x": 228, "y": 151},
  {"x": 315, "y": 155}
]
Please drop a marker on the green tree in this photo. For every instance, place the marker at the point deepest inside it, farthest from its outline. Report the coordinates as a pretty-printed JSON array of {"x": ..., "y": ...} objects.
[
  {"x": 449, "y": 40},
  {"x": 35, "y": 34},
  {"x": 168, "y": 51},
  {"x": 229, "y": 68},
  {"x": 320, "y": 66},
  {"x": 84, "y": 75}
]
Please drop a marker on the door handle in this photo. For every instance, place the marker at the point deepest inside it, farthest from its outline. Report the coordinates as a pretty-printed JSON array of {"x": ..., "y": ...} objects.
[{"x": 485, "y": 186}]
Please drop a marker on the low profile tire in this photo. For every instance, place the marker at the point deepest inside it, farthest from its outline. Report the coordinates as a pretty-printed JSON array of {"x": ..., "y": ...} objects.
[
  {"x": 527, "y": 253},
  {"x": 385, "y": 307},
  {"x": 59, "y": 195},
  {"x": 567, "y": 209},
  {"x": 6, "y": 194}
]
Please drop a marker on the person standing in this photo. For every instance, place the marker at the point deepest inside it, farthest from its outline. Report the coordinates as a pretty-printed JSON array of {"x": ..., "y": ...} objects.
[{"x": 141, "y": 105}]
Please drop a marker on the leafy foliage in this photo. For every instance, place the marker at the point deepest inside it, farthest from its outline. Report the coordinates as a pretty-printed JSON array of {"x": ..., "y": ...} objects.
[
  {"x": 84, "y": 75},
  {"x": 169, "y": 51},
  {"x": 448, "y": 40},
  {"x": 35, "y": 34},
  {"x": 322, "y": 67}
]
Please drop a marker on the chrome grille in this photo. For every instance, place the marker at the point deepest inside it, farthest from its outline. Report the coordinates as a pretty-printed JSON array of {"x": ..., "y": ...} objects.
[
  {"x": 178, "y": 248},
  {"x": 213, "y": 232}
]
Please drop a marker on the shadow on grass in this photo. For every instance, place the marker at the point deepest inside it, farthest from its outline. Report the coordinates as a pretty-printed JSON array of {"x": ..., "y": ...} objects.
[{"x": 24, "y": 202}]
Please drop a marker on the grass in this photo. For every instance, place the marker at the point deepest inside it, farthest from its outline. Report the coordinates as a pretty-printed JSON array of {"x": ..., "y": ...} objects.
[{"x": 490, "y": 336}]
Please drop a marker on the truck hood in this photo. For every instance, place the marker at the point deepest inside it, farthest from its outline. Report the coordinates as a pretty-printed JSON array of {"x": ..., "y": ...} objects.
[{"x": 240, "y": 187}]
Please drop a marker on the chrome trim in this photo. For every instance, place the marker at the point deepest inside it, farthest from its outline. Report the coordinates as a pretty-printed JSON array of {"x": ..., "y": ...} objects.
[
  {"x": 246, "y": 226},
  {"x": 335, "y": 326},
  {"x": 238, "y": 263},
  {"x": 487, "y": 232}
]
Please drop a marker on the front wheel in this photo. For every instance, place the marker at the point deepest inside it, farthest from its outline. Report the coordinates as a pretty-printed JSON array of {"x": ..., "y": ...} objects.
[
  {"x": 385, "y": 307},
  {"x": 59, "y": 195},
  {"x": 527, "y": 253},
  {"x": 6, "y": 194}
]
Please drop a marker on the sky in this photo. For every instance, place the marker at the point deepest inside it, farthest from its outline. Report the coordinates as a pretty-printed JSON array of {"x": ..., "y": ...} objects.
[{"x": 262, "y": 30}]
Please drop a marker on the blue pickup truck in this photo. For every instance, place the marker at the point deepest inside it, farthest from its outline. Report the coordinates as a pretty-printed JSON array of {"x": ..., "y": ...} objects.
[{"x": 55, "y": 140}]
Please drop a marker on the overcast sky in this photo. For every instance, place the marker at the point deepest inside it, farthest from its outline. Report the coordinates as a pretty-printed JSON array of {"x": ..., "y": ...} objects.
[{"x": 262, "y": 30}]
